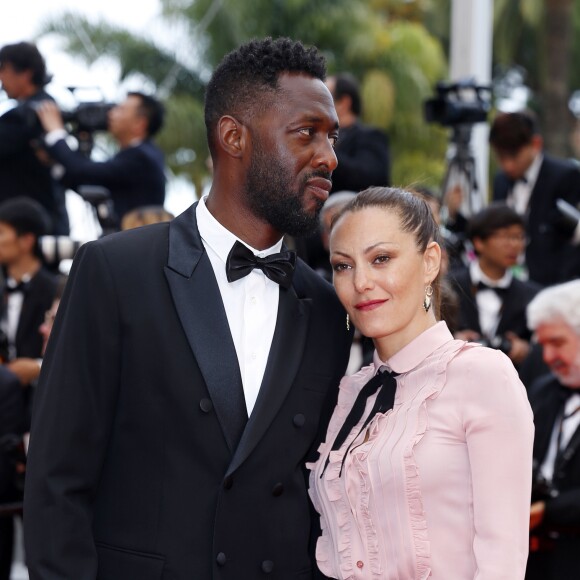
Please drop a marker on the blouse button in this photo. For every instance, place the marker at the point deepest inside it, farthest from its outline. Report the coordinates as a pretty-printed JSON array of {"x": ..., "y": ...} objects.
[{"x": 360, "y": 564}]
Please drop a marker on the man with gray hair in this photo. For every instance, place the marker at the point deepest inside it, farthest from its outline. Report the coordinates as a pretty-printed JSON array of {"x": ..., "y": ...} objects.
[{"x": 554, "y": 316}]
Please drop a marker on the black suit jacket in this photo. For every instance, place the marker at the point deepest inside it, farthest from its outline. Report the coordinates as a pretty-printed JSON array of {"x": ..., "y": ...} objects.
[
  {"x": 513, "y": 312},
  {"x": 549, "y": 256},
  {"x": 38, "y": 297},
  {"x": 134, "y": 470},
  {"x": 562, "y": 513},
  {"x": 134, "y": 176},
  {"x": 363, "y": 159},
  {"x": 21, "y": 171}
]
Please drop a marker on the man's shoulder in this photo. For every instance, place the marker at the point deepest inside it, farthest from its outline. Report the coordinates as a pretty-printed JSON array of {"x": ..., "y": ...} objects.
[
  {"x": 309, "y": 284},
  {"x": 559, "y": 165}
]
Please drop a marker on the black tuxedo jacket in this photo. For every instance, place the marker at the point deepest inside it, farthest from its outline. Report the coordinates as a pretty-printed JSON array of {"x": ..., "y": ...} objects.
[
  {"x": 363, "y": 159},
  {"x": 513, "y": 312},
  {"x": 38, "y": 297},
  {"x": 135, "y": 175},
  {"x": 562, "y": 512},
  {"x": 134, "y": 471},
  {"x": 21, "y": 171},
  {"x": 549, "y": 256}
]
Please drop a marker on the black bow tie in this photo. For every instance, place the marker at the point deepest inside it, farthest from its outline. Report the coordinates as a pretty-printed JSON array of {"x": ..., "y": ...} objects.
[
  {"x": 278, "y": 267},
  {"x": 497, "y": 289},
  {"x": 19, "y": 287},
  {"x": 384, "y": 401}
]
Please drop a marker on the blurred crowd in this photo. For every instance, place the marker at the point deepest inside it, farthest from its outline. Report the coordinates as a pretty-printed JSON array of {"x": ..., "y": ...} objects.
[{"x": 509, "y": 269}]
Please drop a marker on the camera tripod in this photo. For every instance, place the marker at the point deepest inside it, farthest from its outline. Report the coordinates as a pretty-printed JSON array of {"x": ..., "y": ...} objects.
[{"x": 461, "y": 171}]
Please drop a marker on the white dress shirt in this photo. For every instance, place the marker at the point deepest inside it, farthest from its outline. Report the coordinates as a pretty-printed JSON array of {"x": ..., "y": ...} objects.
[
  {"x": 569, "y": 427},
  {"x": 489, "y": 304},
  {"x": 251, "y": 303},
  {"x": 519, "y": 197},
  {"x": 9, "y": 322}
]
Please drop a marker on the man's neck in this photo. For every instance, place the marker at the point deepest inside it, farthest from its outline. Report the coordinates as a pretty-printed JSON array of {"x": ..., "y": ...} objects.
[
  {"x": 27, "y": 266},
  {"x": 492, "y": 271}
]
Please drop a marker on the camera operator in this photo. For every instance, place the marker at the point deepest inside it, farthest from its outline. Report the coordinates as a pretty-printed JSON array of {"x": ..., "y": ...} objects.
[
  {"x": 554, "y": 315},
  {"x": 492, "y": 303},
  {"x": 135, "y": 175},
  {"x": 532, "y": 182},
  {"x": 24, "y": 167}
]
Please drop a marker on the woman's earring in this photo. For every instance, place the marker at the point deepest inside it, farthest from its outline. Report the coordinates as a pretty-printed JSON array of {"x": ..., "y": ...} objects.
[
  {"x": 427, "y": 300},
  {"x": 347, "y": 322}
]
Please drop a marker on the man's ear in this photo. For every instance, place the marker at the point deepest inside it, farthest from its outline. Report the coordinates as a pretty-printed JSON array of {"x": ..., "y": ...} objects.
[{"x": 232, "y": 136}]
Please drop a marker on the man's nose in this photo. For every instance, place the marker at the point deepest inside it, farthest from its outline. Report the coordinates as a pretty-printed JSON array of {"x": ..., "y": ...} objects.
[{"x": 325, "y": 156}]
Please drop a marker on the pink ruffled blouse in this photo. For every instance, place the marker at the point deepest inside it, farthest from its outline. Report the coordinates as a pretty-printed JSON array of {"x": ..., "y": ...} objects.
[{"x": 439, "y": 487}]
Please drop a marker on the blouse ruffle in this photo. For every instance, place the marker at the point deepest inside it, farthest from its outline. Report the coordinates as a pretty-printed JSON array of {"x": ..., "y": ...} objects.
[{"x": 434, "y": 372}]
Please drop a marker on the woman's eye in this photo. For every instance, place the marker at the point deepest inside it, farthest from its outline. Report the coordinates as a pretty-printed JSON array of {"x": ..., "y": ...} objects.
[
  {"x": 340, "y": 267},
  {"x": 382, "y": 259}
]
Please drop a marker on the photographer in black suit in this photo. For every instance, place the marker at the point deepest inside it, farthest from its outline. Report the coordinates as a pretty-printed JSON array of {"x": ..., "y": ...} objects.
[
  {"x": 531, "y": 182},
  {"x": 24, "y": 166},
  {"x": 492, "y": 303},
  {"x": 554, "y": 315},
  {"x": 362, "y": 151},
  {"x": 135, "y": 175}
]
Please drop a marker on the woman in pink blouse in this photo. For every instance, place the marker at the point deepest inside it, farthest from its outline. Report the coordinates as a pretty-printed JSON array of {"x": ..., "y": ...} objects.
[{"x": 425, "y": 472}]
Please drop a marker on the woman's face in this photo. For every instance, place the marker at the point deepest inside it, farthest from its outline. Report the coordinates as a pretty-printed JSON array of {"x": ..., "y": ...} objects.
[{"x": 380, "y": 276}]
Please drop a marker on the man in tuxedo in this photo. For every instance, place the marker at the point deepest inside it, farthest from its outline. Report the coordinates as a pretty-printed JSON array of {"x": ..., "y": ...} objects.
[
  {"x": 531, "y": 181},
  {"x": 492, "y": 303},
  {"x": 24, "y": 165},
  {"x": 190, "y": 362},
  {"x": 135, "y": 176},
  {"x": 554, "y": 315}
]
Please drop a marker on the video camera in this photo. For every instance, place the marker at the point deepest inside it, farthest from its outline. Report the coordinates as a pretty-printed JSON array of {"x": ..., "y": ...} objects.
[
  {"x": 88, "y": 117},
  {"x": 451, "y": 106}
]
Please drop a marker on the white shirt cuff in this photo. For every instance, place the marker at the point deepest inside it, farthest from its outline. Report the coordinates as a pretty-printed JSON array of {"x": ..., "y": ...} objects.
[{"x": 56, "y": 135}]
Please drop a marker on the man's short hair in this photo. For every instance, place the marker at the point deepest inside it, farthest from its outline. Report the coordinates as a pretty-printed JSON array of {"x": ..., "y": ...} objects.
[
  {"x": 512, "y": 131},
  {"x": 248, "y": 76},
  {"x": 152, "y": 109},
  {"x": 489, "y": 220},
  {"x": 24, "y": 56},
  {"x": 347, "y": 85},
  {"x": 25, "y": 215},
  {"x": 560, "y": 303}
]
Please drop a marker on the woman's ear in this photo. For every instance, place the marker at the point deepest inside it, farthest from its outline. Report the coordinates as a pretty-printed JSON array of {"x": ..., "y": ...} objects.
[{"x": 432, "y": 261}]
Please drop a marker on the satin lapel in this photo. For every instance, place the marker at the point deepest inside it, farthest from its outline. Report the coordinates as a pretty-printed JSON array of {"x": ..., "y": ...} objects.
[
  {"x": 201, "y": 311},
  {"x": 283, "y": 363}
]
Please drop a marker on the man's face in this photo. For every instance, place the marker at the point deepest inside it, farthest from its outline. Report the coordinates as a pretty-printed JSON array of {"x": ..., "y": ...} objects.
[
  {"x": 124, "y": 117},
  {"x": 502, "y": 248},
  {"x": 515, "y": 164},
  {"x": 292, "y": 156},
  {"x": 561, "y": 347},
  {"x": 12, "y": 246},
  {"x": 13, "y": 82}
]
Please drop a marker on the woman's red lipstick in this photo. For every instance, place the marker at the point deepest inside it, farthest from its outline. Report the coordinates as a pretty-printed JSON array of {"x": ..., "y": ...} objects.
[{"x": 369, "y": 305}]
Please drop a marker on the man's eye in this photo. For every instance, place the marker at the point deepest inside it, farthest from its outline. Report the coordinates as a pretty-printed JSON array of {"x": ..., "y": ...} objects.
[
  {"x": 334, "y": 140},
  {"x": 307, "y": 131}
]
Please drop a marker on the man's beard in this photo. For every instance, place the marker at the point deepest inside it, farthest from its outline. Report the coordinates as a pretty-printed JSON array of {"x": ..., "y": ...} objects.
[
  {"x": 271, "y": 197},
  {"x": 572, "y": 377}
]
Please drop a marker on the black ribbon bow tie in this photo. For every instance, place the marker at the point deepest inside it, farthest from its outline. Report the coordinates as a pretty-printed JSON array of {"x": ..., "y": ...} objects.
[
  {"x": 498, "y": 290},
  {"x": 278, "y": 267},
  {"x": 385, "y": 400}
]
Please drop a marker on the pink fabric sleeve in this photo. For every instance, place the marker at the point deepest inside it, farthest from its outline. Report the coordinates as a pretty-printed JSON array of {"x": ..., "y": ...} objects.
[{"x": 499, "y": 430}]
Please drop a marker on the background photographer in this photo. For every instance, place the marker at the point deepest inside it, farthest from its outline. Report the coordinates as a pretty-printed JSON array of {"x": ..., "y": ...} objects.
[
  {"x": 24, "y": 167},
  {"x": 531, "y": 182},
  {"x": 554, "y": 315},
  {"x": 492, "y": 303},
  {"x": 134, "y": 176}
]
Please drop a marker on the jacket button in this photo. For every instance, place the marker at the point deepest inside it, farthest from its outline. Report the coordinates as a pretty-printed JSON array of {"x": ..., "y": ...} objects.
[
  {"x": 277, "y": 491},
  {"x": 267, "y": 566},
  {"x": 299, "y": 420},
  {"x": 228, "y": 482},
  {"x": 206, "y": 405},
  {"x": 221, "y": 559}
]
